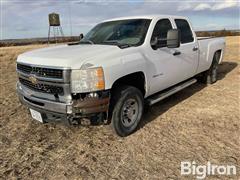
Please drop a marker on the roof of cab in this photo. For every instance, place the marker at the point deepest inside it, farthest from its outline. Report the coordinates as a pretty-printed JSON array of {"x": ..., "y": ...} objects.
[{"x": 154, "y": 16}]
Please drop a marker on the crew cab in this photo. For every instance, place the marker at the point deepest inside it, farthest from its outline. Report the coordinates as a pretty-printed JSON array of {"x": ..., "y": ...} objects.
[{"x": 119, "y": 67}]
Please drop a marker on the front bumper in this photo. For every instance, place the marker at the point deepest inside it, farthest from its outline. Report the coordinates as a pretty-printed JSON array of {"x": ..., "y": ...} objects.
[{"x": 63, "y": 111}]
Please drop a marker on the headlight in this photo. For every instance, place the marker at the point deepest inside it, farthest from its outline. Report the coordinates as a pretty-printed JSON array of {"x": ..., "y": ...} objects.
[{"x": 87, "y": 80}]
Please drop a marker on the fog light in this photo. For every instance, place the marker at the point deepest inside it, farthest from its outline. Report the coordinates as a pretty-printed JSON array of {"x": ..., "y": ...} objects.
[
  {"x": 69, "y": 109},
  {"x": 92, "y": 95}
]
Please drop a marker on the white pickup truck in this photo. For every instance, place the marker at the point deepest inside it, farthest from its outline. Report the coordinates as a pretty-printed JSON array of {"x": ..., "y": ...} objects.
[{"x": 118, "y": 67}]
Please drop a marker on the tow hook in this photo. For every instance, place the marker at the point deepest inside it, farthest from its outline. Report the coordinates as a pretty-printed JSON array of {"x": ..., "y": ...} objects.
[{"x": 74, "y": 121}]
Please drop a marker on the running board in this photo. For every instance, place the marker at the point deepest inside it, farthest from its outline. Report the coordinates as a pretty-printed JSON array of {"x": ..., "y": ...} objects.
[{"x": 158, "y": 97}]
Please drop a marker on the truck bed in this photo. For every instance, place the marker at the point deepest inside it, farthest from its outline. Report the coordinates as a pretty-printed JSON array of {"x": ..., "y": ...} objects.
[{"x": 207, "y": 47}]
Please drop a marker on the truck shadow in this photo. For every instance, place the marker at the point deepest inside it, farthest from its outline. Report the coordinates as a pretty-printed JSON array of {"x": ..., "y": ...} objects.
[
  {"x": 225, "y": 68},
  {"x": 159, "y": 108}
]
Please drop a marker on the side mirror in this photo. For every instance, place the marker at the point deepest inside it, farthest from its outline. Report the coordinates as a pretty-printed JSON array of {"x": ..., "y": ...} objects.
[
  {"x": 80, "y": 36},
  {"x": 173, "y": 38}
]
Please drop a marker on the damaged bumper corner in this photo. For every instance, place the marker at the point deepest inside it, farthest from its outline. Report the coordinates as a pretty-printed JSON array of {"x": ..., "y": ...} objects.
[{"x": 90, "y": 105}]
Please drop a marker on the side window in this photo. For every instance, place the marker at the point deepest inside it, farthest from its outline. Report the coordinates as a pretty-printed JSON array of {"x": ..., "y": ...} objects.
[
  {"x": 160, "y": 32},
  {"x": 186, "y": 32}
]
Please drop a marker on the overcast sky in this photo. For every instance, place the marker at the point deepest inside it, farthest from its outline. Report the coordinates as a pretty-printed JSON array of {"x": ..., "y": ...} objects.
[{"x": 29, "y": 18}]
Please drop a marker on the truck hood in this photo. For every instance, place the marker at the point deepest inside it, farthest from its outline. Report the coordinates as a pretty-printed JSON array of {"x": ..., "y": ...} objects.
[{"x": 68, "y": 56}]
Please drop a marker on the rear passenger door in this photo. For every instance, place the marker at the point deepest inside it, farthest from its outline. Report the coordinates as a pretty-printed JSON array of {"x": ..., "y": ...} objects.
[{"x": 188, "y": 48}]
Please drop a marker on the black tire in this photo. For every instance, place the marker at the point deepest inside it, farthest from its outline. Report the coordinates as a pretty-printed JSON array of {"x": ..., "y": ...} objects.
[
  {"x": 128, "y": 106},
  {"x": 210, "y": 76}
]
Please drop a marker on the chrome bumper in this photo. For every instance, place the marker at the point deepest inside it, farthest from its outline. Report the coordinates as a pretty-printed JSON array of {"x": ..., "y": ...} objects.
[
  {"x": 59, "y": 111},
  {"x": 30, "y": 101}
]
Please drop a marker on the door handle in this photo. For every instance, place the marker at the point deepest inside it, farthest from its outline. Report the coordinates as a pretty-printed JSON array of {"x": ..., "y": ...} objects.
[
  {"x": 176, "y": 53},
  {"x": 195, "y": 48}
]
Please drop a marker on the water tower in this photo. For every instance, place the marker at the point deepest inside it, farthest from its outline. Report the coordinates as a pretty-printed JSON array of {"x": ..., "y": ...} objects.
[{"x": 54, "y": 26}]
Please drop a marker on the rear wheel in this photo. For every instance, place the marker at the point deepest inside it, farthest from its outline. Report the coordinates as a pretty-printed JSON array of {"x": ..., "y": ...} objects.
[
  {"x": 127, "y": 110},
  {"x": 210, "y": 76}
]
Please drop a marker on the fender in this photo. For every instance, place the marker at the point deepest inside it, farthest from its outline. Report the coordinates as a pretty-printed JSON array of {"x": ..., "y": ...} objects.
[
  {"x": 127, "y": 65},
  {"x": 213, "y": 47}
]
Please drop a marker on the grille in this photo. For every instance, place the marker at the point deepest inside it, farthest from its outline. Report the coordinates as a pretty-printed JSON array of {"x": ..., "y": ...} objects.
[
  {"x": 45, "y": 88},
  {"x": 42, "y": 72}
]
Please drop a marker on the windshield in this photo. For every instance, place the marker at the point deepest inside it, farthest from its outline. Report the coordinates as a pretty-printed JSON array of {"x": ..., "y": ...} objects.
[{"x": 129, "y": 32}]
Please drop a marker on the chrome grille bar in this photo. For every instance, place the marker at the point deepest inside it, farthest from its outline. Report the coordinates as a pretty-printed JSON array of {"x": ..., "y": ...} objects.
[
  {"x": 40, "y": 71},
  {"x": 41, "y": 87}
]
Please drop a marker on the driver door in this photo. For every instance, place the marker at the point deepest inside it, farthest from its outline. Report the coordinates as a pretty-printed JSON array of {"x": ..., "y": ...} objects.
[{"x": 166, "y": 68}]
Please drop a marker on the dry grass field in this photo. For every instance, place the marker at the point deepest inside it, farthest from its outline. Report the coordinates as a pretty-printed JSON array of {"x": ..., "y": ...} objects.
[{"x": 200, "y": 123}]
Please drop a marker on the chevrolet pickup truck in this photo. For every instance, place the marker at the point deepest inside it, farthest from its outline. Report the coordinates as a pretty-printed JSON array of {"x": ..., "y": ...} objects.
[{"x": 119, "y": 67}]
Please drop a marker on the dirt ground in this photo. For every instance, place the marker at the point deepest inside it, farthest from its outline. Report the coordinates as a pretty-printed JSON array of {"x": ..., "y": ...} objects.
[{"x": 200, "y": 123}]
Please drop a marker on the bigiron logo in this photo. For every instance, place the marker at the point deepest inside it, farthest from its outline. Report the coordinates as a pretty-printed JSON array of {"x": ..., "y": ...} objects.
[{"x": 202, "y": 171}]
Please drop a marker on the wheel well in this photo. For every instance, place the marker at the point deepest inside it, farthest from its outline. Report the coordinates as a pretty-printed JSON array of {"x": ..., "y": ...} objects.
[{"x": 136, "y": 79}]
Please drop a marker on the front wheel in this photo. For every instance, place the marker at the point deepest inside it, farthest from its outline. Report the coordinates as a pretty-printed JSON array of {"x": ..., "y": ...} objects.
[{"x": 127, "y": 110}]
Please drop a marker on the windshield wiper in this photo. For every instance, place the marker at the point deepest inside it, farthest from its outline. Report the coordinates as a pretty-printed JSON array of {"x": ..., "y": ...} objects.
[
  {"x": 122, "y": 46},
  {"x": 87, "y": 41}
]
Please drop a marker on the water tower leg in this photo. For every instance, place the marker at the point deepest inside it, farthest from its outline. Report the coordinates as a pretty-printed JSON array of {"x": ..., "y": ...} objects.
[
  {"x": 54, "y": 34},
  {"x": 56, "y": 31},
  {"x": 49, "y": 29},
  {"x": 61, "y": 31}
]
